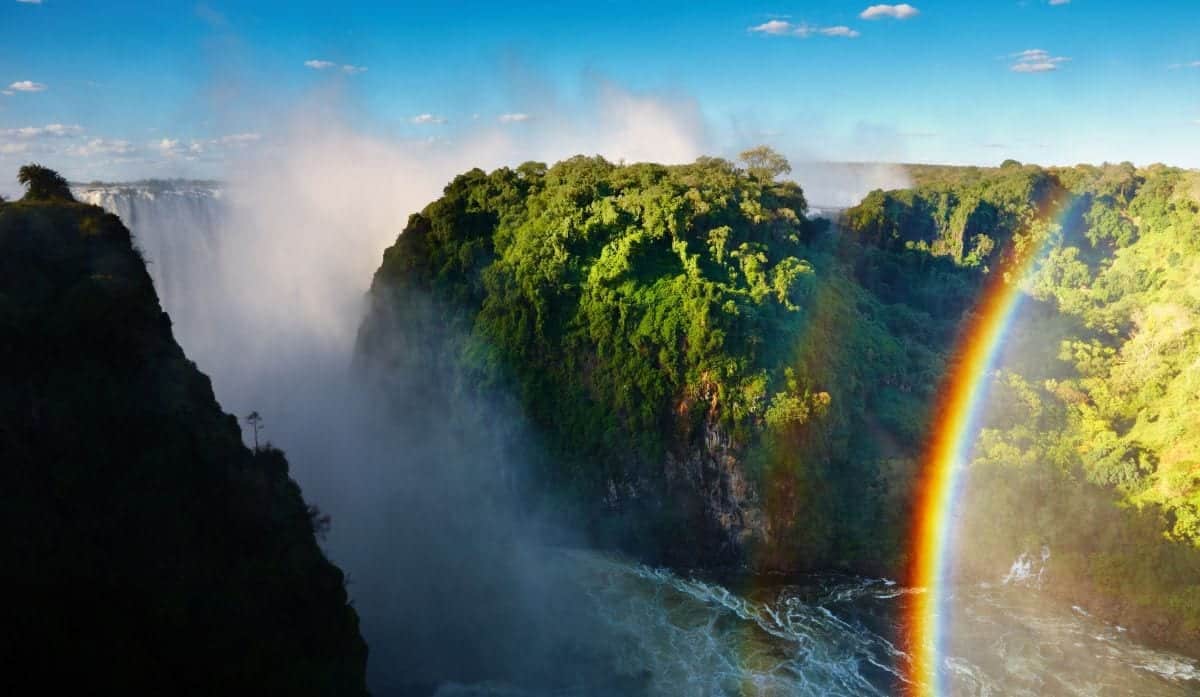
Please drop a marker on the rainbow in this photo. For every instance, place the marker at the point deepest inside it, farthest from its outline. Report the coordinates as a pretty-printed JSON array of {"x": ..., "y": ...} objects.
[{"x": 962, "y": 400}]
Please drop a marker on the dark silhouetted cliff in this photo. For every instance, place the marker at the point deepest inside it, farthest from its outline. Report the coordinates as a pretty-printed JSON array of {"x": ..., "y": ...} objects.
[{"x": 147, "y": 550}]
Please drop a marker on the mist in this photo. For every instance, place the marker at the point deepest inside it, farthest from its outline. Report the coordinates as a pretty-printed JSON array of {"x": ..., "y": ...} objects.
[
  {"x": 836, "y": 185},
  {"x": 456, "y": 581}
]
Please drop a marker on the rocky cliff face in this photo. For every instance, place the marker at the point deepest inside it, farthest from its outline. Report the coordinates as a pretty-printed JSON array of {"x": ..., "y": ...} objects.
[
  {"x": 146, "y": 547},
  {"x": 713, "y": 475}
]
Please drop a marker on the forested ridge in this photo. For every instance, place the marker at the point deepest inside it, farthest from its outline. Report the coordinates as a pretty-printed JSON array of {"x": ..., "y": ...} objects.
[
  {"x": 643, "y": 314},
  {"x": 147, "y": 550},
  {"x": 718, "y": 379},
  {"x": 694, "y": 349}
]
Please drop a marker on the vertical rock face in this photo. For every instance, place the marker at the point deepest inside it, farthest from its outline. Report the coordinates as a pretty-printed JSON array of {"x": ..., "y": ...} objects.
[
  {"x": 713, "y": 475},
  {"x": 146, "y": 549}
]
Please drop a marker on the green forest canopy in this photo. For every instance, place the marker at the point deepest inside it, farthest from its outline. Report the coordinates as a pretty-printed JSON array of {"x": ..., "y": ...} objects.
[{"x": 633, "y": 309}]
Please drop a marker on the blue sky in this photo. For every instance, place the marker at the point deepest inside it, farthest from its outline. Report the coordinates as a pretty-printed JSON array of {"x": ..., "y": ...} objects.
[{"x": 125, "y": 89}]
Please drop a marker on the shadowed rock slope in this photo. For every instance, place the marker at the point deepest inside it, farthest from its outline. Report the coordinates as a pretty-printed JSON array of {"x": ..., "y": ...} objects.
[{"x": 146, "y": 549}]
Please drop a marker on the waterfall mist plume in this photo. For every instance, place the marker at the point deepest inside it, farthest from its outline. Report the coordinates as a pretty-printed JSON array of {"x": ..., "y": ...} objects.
[
  {"x": 836, "y": 185},
  {"x": 421, "y": 477}
]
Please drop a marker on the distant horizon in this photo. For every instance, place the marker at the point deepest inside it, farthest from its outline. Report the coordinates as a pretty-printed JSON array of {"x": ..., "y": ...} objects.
[
  {"x": 836, "y": 163},
  {"x": 15, "y": 191}
]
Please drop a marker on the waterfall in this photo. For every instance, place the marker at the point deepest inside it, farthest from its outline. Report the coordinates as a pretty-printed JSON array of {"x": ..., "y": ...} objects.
[{"x": 178, "y": 226}]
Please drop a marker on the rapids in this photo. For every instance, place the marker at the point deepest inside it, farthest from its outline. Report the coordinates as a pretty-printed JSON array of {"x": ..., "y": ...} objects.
[
  {"x": 826, "y": 635},
  {"x": 836, "y": 635}
]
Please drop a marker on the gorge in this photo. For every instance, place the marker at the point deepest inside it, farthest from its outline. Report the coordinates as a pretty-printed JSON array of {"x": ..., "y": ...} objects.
[{"x": 472, "y": 395}]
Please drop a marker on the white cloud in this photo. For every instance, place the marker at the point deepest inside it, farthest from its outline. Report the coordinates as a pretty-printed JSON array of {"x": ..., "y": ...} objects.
[
  {"x": 1189, "y": 64},
  {"x": 7, "y": 93},
  {"x": 27, "y": 86},
  {"x": 514, "y": 118},
  {"x": 317, "y": 64},
  {"x": 172, "y": 147},
  {"x": 238, "y": 139},
  {"x": 1036, "y": 60},
  {"x": 1030, "y": 67},
  {"x": 38, "y": 140},
  {"x": 53, "y": 129},
  {"x": 901, "y": 11},
  {"x": 30, "y": 2},
  {"x": 101, "y": 146},
  {"x": 58, "y": 129},
  {"x": 840, "y": 30},
  {"x": 776, "y": 27},
  {"x": 1031, "y": 54},
  {"x": 1060, "y": 2},
  {"x": 101, "y": 154},
  {"x": 779, "y": 27},
  {"x": 427, "y": 119}
]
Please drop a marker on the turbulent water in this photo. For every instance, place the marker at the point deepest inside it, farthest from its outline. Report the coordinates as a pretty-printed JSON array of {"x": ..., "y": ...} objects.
[
  {"x": 595, "y": 624},
  {"x": 834, "y": 636}
]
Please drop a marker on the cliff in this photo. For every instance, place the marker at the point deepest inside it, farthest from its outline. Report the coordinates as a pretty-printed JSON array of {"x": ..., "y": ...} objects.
[
  {"x": 147, "y": 550},
  {"x": 712, "y": 384}
]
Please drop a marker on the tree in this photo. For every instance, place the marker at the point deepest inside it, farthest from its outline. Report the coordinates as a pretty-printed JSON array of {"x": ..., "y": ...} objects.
[
  {"x": 255, "y": 422},
  {"x": 43, "y": 184},
  {"x": 764, "y": 164}
]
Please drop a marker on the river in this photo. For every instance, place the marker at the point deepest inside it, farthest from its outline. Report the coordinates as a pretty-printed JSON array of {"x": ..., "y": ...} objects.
[{"x": 826, "y": 635}]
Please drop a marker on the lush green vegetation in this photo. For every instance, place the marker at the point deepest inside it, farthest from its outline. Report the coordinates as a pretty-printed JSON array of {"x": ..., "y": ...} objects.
[
  {"x": 1093, "y": 447},
  {"x": 43, "y": 184},
  {"x": 1092, "y": 444},
  {"x": 146, "y": 547},
  {"x": 703, "y": 360},
  {"x": 659, "y": 322}
]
